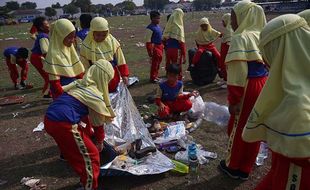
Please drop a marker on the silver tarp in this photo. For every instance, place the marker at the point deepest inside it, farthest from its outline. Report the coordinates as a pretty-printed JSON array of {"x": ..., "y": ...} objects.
[{"x": 126, "y": 128}]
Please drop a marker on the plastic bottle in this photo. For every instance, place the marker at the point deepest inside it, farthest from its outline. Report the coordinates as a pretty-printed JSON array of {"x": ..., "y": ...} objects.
[
  {"x": 216, "y": 113},
  {"x": 196, "y": 124},
  {"x": 262, "y": 154},
  {"x": 193, "y": 164}
]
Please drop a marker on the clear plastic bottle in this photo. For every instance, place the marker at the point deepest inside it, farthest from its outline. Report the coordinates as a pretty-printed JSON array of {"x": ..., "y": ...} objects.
[
  {"x": 262, "y": 154},
  {"x": 193, "y": 164}
]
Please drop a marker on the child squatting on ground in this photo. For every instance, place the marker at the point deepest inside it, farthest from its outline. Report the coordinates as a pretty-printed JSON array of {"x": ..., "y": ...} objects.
[{"x": 169, "y": 95}]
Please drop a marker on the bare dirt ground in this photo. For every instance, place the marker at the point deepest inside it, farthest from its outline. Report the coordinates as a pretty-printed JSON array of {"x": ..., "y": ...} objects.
[{"x": 24, "y": 153}]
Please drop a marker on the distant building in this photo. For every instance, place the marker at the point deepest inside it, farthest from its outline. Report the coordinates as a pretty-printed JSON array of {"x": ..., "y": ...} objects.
[
  {"x": 186, "y": 6},
  {"x": 31, "y": 13},
  {"x": 140, "y": 10}
]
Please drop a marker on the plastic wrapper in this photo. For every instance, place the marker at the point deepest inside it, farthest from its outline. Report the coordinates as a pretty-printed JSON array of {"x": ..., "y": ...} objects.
[
  {"x": 174, "y": 131},
  {"x": 216, "y": 113},
  {"x": 127, "y": 127}
]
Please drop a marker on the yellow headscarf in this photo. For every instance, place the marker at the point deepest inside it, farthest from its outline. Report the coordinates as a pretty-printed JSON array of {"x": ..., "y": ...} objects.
[
  {"x": 93, "y": 91},
  {"x": 306, "y": 15},
  {"x": 174, "y": 27},
  {"x": 206, "y": 37},
  {"x": 92, "y": 50},
  {"x": 60, "y": 59},
  {"x": 281, "y": 115},
  {"x": 251, "y": 20},
  {"x": 228, "y": 30}
]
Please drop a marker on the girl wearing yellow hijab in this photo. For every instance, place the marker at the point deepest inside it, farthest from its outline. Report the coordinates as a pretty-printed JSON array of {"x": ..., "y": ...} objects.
[
  {"x": 306, "y": 15},
  {"x": 246, "y": 76},
  {"x": 205, "y": 38},
  {"x": 83, "y": 99},
  {"x": 62, "y": 62},
  {"x": 281, "y": 115},
  {"x": 226, "y": 21},
  {"x": 100, "y": 44},
  {"x": 174, "y": 40}
]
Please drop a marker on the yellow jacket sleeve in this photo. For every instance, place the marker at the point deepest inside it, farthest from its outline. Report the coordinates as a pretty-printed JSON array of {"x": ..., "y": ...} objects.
[
  {"x": 85, "y": 62},
  {"x": 237, "y": 73},
  {"x": 120, "y": 57},
  {"x": 44, "y": 45}
]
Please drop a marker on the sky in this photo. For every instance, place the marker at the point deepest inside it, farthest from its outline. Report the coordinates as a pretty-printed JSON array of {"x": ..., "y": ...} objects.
[{"x": 47, "y": 3}]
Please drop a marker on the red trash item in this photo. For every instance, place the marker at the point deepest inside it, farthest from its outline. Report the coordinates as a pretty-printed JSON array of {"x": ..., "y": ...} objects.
[{"x": 11, "y": 100}]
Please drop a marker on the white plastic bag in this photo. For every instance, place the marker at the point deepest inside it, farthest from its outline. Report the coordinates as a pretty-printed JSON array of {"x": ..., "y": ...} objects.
[{"x": 198, "y": 107}]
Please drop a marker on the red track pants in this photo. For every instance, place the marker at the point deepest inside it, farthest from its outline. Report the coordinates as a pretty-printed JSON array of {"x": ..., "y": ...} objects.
[
  {"x": 224, "y": 51},
  {"x": 210, "y": 47},
  {"x": 14, "y": 71},
  {"x": 36, "y": 61},
  {"x": 157, "y": 57},
  {"x": 177, "y": 106},
  {"x": 78, "y": 149},
  {"x": 286, "y": 174},
  {"x": 242, "y": 155},
  {"x": 173, "y": 56}
]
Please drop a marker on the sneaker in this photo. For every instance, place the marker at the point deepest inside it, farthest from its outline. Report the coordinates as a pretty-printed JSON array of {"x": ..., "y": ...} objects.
[
  {"x": 243, "y": 176},
  {"x": 157, "y": 80},
  {"x": 47, "y": 96},
  {"x": 62, "y": 158},
  {"x": 16, "y": 86},
  {"x": 230, "y": 172}
]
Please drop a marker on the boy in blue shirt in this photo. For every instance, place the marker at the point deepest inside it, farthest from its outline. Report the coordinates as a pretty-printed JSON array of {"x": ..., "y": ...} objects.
[
  {"x": 17, "y": 56},
  {"x": 169, "y": 97},
  {"x": 154, "y": 45}
]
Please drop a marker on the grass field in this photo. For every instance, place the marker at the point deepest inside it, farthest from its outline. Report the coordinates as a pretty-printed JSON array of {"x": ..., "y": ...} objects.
[{"x": 23, "y": 153}]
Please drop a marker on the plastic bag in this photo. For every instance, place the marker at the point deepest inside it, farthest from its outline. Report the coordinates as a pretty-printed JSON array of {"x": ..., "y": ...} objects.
[
  {"x": 216, "y": 113},
  {"x": 174, "y": 131},
  {"x": 198, "y": 107}
]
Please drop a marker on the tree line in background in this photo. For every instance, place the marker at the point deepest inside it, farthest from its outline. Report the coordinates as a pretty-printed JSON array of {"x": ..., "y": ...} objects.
[{"x": 126, "y": 6}]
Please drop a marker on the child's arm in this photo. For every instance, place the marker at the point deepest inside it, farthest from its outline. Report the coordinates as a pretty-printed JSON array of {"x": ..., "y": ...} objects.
[
  {"x": 99, "y": 136},
  {"x": 148, "y": 42},
  {"x": 183, "y": 52},
  {"x": 158, "y": 101},
  {"x": 55, "y": 84},
  {"x": 44, "y": 43},
  {"x": 236, "y": 83},
  {"x": 121, "y": 65}
]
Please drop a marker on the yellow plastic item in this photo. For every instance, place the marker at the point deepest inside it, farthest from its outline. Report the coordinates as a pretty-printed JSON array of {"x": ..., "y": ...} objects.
[{"x": 180, "y": 167}]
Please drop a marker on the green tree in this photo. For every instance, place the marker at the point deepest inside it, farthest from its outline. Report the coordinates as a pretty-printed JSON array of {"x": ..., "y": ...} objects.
[
  {"x": 28, "y": 5},
  {"x": 83, "y": 4},
  {"x": 71, "y": 9},
  {"x": 127, "y": 6},
  {"x": 50, "y": 12},
  {"x": 12, "y": 5},
  {"x": 155, "y": 4},
  {"x": 205, "y": 4},
  {"x": 56, "y": 6}
]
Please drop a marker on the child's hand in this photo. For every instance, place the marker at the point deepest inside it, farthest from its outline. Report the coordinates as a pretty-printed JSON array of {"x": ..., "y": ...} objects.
[
  {"x": 125, "y": 80},
  {"x": 100, "y": 146},
  {"x": 234, "y": 109},
  {"x": 195, "y": 93},
  {"x": 162, "y": 107}
]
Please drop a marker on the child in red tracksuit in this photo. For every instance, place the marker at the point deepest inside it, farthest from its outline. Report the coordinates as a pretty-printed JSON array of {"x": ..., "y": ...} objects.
[
  {"x": 13, "y": 56},
  {"x": 154, "y": 45},
  {"x": 170, "y": 98},
  {"x": 40, "y": 49}
]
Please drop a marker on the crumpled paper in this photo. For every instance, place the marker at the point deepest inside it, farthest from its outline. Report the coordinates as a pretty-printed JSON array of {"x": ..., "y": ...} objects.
[{"x": 32, "y": 183}]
